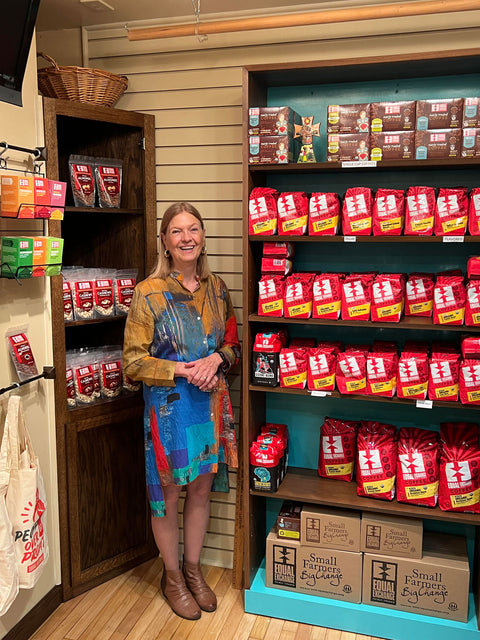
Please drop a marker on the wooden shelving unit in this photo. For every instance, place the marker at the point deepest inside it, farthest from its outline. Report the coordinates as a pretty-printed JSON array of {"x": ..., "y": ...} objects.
[
  {"x": 308, "y": 88},
  {"x": 104, "y": 517}
]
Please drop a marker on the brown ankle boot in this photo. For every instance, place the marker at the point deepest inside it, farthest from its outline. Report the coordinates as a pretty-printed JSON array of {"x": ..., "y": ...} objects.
[
  {"x": 178, "y": 596},
  {"x": 206, "y": 599}
]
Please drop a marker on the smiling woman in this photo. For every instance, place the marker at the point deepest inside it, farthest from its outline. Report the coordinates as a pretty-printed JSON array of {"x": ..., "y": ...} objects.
[{"x": 180, "y": 341}]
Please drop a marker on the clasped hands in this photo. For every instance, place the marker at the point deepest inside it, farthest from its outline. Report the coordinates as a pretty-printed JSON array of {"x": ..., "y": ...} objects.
[{"x": 202, "y": 372}]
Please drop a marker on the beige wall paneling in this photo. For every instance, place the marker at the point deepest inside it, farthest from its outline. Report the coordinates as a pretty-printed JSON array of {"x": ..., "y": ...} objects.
[
  {"x": 194, "y": 91},
  {"x": 29, "y": 304}
]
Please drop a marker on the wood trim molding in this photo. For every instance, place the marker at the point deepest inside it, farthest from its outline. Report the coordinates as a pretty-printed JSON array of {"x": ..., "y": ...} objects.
[{"x": 27, "y": 626}]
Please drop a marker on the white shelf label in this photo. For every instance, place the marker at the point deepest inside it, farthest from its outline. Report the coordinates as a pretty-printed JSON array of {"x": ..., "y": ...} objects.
[
  {"x": 356, "y": 163},
  {"x": 321, "y": 394},
  {"x": 453, "y": 239},
  {"x": 349, "y": 238},
  {"x": 424, "y": 404}
]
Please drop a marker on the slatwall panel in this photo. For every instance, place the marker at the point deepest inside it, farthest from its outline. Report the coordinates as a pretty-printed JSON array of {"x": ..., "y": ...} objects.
[{"x": 194, "y": 92}]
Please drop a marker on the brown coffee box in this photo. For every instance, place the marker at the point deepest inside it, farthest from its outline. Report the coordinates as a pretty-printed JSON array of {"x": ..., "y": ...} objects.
[
  {"x": 313, "y": 570},
  {"x": 330, "y": 528},
  {"x": 348, "y": 147},
  {"x": 471, "y": 143},
  {"x": 471, "y": 113},
  {"x": 272, "y": 149},
  {"x": 392, "y": 116},
  {"x": 435, "y": 585},
  {"x": 272, "y": 121},
  {"x": 438, "y": 143},
  {"x": 391, "y": 535},
  {"x": 348, "y": 118},
  {"x": 288, "y": 520},
  {"x": 439, "y": 114},
  {"x": 392, "y": 145}
]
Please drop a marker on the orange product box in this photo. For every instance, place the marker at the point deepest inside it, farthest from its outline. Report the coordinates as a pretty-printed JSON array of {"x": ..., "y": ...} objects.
[
  {"x": 41, "y": 197},
  {"x": 17, "y": 196},
  {"x": 39, "y": 255}
]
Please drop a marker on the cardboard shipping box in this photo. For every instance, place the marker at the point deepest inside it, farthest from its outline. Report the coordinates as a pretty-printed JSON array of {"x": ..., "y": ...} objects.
[
  {"x": 313, "y": 570},
  {"x": 391, "y": 535},
  {"x": 330, "y": 528},
  {"x": 435, "y": 585}
]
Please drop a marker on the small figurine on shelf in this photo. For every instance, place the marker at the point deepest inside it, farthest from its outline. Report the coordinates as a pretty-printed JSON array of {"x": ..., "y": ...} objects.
[{"x": 306, "y": 131}]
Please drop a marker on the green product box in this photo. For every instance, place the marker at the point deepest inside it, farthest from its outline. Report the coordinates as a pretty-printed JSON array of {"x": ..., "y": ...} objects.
[
  {"x": 54, "y": 256},
  {"x": 17, "y": 257}
]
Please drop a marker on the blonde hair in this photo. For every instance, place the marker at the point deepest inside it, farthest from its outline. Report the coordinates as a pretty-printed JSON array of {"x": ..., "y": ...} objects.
[{"x": 164, "y": 266}]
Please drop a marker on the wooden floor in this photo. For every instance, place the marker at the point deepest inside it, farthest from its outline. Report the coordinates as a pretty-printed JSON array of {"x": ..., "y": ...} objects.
[{"x": 130, "y": 607}]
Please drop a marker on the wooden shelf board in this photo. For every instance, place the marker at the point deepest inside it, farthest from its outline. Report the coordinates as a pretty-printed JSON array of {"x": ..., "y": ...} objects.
[
  {"x": 367, "y": 398},
  {"x": 407, "y": 322},
  {"x": 388, "y": 165},
  {"x": 104, "y": 210},
  {"x": 81, "y": 323},
  {"x": 360, "y": 239},
  {"x": 104, "y": 407},
  {"x": 307, "y": 486}
]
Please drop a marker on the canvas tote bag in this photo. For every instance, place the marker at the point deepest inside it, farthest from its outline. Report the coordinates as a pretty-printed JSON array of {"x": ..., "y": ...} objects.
[
  {"x": 26, "y": 500},
  {"x": 8, "y": 566}
]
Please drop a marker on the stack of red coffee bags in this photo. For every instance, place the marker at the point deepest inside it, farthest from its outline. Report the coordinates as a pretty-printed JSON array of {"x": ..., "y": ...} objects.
[
  {"x": 321, "y": 366},
  {"x": 357, "y": 296},
  {"x": 417, "y": 466},
  {"x": 449, "y": 298},
  {"x": 376, "y": 460},
  {"x": 351, "y": 370},
  {"x": 382, "y": 366},
  {"x": 388, "y": 212},
  {"x": 419, "y": 211},
  {"x": 470, "y": 371},
  {"x": 276, "y": 265},
  {"x": 412, "y": 381},
  {"x": 444, "y": 373},
  {"x": 266, "y": 352},
  {"x": 388, "y": 297},
  {"x": 298, "y": 296},
  {"x": 293, "y": 213},
  {"x": 419, "y": 295},
  {"x": 327, "y": 296},
  {"x": 451, "y": 212},
  {"x": 324, "y": 214},
  {"x": 357, "y": 212},
  {"x": 269, "y": 458}
]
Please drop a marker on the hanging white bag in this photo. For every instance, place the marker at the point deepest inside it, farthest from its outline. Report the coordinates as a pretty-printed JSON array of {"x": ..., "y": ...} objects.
[
  {"x": 9, "y": 582},
  {"x": 26, "y": 500}
]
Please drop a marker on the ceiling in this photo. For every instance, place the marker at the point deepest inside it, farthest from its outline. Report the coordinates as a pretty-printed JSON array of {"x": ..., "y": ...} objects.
[{"x": 68, "y": 14}]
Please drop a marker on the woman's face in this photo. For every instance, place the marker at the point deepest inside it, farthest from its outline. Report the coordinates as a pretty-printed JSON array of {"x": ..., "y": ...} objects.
[{"x": 184, "y": 238}]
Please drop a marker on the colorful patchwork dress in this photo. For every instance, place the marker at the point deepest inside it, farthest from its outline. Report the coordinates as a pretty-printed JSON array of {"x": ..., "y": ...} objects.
[{"x": 188, "y": 432}]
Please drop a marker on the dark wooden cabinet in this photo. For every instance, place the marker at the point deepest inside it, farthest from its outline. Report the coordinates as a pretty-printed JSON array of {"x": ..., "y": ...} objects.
[
  {"x": 308, "y": 88},
  {"x": 104, "y": 516}
]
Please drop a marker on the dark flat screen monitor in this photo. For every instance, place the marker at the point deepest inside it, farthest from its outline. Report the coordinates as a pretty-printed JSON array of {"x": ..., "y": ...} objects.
[{"x": 17, "y": 22}]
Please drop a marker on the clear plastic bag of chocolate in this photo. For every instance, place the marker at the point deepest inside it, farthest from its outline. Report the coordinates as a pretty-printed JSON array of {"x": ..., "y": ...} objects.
[
  {"x": 108, "y": 177},
  {"x": 82, "y": 180}
]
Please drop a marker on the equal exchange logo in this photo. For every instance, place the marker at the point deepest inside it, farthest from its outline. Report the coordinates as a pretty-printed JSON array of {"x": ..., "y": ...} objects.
[
  {"x": 284, "y": 566},
  {"x": 384, "y": 582}
]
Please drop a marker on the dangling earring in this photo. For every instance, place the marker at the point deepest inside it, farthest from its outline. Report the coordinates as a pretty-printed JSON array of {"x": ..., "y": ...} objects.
[
  {"x": 204, "y": 250},
  {"x": 166, "y": 253}
]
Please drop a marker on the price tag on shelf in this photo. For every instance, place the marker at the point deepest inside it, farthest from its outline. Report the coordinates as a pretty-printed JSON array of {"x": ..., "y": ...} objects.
[
  {"x": 321, "y": 394},
  {"x": 355, "y": 163},
  {"x": 424, "y": 404},
  {"x": 453, "y": 239},
  {"x": 349, "y": 238}
]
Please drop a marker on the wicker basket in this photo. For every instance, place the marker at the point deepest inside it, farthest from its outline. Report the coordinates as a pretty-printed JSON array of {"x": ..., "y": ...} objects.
[{"x": 80, "y": 84}]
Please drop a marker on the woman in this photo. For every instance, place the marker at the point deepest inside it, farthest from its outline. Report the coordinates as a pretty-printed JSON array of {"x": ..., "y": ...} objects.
[{"x": 180, "y": 340}]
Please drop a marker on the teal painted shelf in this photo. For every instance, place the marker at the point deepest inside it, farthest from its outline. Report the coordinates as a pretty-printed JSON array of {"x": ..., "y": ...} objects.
[{"x": 377, "y": 622}]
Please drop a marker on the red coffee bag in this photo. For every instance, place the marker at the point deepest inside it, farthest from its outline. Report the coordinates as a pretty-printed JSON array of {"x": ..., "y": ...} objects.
[
  {"x": 382, "y": 374},
  {"x": 262, "y": 211},
  {"x": 418, "y": 466},
  {"x": 324, "y": 214},
  {"x": 451, "y": 212},
  {"x": 279, "y": 249},
  {"x": 327, "y": 296},
  {"x": 419, "y": 211},
  {"x": 298, "y": 295},
  {"x": 321, "y": 369},
  {"x": 270, "y": 296},
  {"x": 376, "y": 460},
  {"x": 474, "y": 212},
  {"x": 449, "y": 300},
  {"x": 357, "y": 296},
  {"x": 419, "y": 295},
  {"x": 357, "y": 212},
  {"x": 388, "y": 212},
  {"x": 351, "y": 372},
  {"x": 470, "y": 381},
  {"x": 412, "y": 380},
  {"x": 293, "y": 368},
  {"x": 388, "y": 297},
  {"x": 472, "y": 310},
  {"x": 443, "y": 378},
  {"x": 292, "y": 213},
  {"x": 274, "y": 265},
  {"x": 337, "y": 452},
  {"x": 459, "y": 488}
]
